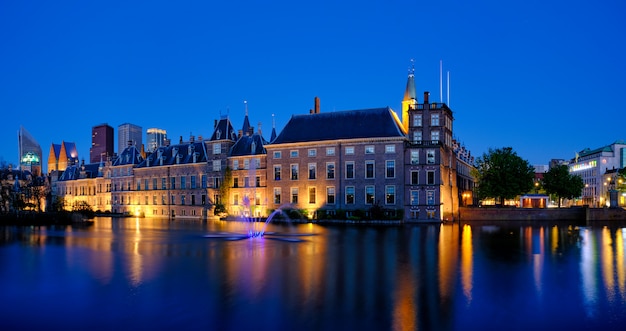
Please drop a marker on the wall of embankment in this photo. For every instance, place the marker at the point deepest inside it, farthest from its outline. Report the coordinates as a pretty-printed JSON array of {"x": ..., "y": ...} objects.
[{"x": 541, "y": 214}]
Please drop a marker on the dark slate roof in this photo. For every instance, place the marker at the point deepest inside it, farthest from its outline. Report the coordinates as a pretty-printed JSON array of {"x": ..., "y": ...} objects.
[
  {"x": 224, "y": 130},
  {"x": 73, "y": 172},
  {"x": 273, "y": 136},
  {"x": 246, "y": 125},
  {"x": 183, "y": 152},
  {"x": 130, "y": 155},
  {"x": 249, "y": 145},
  {"x": 351, "y": 124}
]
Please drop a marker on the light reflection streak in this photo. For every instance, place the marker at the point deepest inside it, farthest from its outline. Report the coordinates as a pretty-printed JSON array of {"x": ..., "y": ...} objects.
[
  {"x": 606, "y": 260},
  {"x": 619, "y": 261},
  {"x": 404, "y": 308},
  {"x": 538, "y": 259},
  {"x": 467, "y": 262},
  {"x": 587, "y": 263},
  {"x": 448, "y": 259}
]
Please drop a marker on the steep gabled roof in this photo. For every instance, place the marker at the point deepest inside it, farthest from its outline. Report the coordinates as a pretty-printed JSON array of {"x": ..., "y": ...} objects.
[
  {"x": 130, "y": 155},
  {"x": 224, "y": 130},
  {"x": 73, "y": 172},
  {"x": 176, "y": 154},
  {"x": 351, "y": 124},
  {"x": 249, "y": 145}
]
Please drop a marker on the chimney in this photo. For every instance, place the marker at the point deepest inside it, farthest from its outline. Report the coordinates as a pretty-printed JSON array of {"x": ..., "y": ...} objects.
[
  {"x": 259, "y": 129},
  {"x": 192, "y": 139},
  {"x": 426, "y": 94},
  {"x": 240, "y": 134},
  {"x": 200, "y": 138},
  {"x": 180, "y": 141},
  {"x": 317, "y": 105}
]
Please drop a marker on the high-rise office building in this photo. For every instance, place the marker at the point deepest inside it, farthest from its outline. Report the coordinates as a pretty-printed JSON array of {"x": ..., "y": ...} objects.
[
  {"x": 101, "y": 143},
  {"x": 128, "y": 132},
  {"x": 155, "y": 138},
  {"x": 30, "y": 157}
]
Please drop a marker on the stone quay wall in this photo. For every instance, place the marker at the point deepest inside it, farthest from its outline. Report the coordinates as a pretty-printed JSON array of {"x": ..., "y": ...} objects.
[{"x": 541, "y": 214}]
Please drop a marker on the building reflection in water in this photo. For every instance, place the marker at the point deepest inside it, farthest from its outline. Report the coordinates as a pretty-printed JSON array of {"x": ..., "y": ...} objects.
[{"x": 434, "y": 277}]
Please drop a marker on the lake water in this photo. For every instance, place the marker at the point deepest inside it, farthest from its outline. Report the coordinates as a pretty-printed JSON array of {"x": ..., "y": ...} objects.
[{"x": 159, "y": 275}]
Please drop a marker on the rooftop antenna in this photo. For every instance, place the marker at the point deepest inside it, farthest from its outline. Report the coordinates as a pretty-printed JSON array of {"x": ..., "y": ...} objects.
[
  {"x": 273, "y": 122},
  {"x": 245, "y": 102},
  {"x": 448, "y": 81},
  {"x": 440, "y": 81},
  {"x": 412, "y": 67}
]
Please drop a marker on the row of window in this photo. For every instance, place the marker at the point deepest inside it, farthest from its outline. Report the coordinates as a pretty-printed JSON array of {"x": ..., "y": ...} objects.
[
  {"x": 417, "y": 120},
  {"x": 83, "y": 190},
  {"x": 349, "y": 196},
  {"x": 182, "y": 200},
  {"x": 181, "y": 183},
  {"x": 246, "y": 164},
  {"x": 294, "y": 174},
  {"x": 330, "y": 151}
]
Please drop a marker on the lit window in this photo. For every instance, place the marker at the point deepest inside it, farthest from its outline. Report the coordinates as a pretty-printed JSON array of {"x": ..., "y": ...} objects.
[
  {"x": 414, "y": 198},
  {"x": 369, "y": 195},
  {"x": 430, "y": 198},
  {"x": 390, "y": 194}
]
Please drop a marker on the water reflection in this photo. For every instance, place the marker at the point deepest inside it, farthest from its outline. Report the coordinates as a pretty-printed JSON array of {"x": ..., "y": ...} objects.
[{"x": 434, "y": 277}]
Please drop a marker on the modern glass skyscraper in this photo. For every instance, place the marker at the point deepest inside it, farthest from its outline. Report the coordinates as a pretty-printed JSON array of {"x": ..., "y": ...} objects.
[
  {"x": 101, "y": 143},
  {"x": 155, "y": 138},
  {"x": 128, "y": 132},
  {"x": 31, "y": 156}
]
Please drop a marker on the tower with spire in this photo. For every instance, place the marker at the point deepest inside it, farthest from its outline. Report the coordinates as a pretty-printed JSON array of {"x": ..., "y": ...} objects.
[{"x": 410, "y": 98}]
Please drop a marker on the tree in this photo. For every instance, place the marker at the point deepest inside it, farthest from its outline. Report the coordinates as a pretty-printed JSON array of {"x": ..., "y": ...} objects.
[
  {"x": 224, "y": 190},
  {"x": 501, "y": 174},
  {"x": 560, "y": 182}
]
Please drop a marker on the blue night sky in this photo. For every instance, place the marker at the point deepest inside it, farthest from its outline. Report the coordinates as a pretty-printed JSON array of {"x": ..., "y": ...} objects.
[{"x": 544, "y": 77}]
